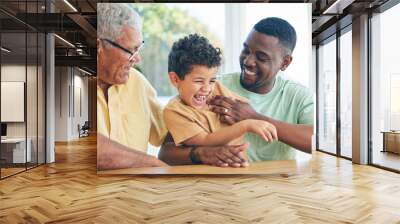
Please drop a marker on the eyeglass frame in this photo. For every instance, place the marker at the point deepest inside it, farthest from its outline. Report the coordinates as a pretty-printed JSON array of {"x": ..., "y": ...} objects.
[{"x": 132, "y": 54}]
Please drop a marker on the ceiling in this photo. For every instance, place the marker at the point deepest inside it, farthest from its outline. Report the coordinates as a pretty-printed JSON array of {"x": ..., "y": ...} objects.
[
  {"x": 76, "y": 26},
  {"x": 76, "y": 23}
]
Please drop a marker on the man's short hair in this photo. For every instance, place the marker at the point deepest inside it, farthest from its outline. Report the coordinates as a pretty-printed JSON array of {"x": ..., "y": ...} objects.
[
  {"x": 111, "y": 17},
  {"x": 280, "y": 29},
  {"x": 192, "y": 50}
]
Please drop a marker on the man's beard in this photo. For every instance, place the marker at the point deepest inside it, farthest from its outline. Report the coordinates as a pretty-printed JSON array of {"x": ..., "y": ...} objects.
[{"x": 252, "y": 87}]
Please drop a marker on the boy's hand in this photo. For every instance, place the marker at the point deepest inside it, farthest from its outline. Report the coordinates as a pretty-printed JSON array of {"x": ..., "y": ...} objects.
[{"x": 264, "y": 129}]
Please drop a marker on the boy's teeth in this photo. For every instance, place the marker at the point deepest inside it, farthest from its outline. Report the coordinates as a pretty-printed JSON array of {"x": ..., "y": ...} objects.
[{"x": 201, "y": 97}]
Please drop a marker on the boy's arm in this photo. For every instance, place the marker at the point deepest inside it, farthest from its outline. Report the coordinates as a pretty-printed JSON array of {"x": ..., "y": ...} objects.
[
  {"x": 296, "y": 135},
  {"x": 221, "y": 137},
  {"x": 226, "y": 134}
]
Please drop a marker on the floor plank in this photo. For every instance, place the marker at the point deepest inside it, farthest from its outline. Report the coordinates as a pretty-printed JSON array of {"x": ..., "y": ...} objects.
[{"x": 70, "y": 191}]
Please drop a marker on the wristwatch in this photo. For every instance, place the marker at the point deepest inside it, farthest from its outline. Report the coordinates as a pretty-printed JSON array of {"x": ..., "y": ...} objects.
[{"x": 193, "y": 157}]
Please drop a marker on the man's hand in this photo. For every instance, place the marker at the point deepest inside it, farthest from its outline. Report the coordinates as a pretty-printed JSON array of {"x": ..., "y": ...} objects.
[
  {"x": 223, "y": 156},
  {"x": 296, "y": 135},
  {"x": 231, "y": 110}
]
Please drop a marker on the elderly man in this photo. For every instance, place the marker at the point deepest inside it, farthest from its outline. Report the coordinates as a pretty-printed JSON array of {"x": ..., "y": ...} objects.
[
  {"x": 129, "y": 117},
  {"x": 286, "y": 104}
]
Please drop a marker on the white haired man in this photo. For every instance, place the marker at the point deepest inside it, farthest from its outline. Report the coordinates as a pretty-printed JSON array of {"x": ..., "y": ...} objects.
[{"x": 128, "y": 114}]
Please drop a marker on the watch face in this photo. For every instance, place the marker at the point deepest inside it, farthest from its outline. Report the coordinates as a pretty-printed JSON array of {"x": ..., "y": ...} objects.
[{"x": 193, "y": 156}]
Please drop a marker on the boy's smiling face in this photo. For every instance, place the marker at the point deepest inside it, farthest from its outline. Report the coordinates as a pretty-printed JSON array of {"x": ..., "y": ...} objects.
[{"x": 196, "y": 88}]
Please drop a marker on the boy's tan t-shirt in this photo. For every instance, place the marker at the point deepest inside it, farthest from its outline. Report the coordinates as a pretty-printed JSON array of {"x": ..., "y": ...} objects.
[{"x": 184, "y": 122}]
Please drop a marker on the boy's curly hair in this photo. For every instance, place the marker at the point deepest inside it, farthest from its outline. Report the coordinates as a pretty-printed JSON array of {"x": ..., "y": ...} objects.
[{"x": 192, "y": 50}]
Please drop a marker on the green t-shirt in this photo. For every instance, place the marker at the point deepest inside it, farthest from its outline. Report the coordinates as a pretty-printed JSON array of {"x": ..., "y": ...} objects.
[{"x": 288, "y": 101}]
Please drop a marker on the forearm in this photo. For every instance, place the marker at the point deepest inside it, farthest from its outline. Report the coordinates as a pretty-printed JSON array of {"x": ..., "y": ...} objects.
[
  {"x": 233, "y": 156},
  {"x": 220, "y": 137},
  {"x": 296, "y": 135},
  {"x": 112, "y": 155},
  {"x": 174, "y": 155}
]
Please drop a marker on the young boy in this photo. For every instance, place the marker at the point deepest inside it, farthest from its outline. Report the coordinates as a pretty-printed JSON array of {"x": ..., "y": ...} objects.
[{"x": 192, "y": 67}]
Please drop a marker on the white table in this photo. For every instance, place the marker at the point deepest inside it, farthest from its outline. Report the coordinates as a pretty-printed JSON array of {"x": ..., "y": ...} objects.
[{"x": 18, "y": 149}]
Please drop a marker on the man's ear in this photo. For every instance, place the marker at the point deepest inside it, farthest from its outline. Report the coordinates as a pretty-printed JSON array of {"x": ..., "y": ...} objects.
[
  {"x": 287, "y": 59},
  {"x": 174, "y": 78}
]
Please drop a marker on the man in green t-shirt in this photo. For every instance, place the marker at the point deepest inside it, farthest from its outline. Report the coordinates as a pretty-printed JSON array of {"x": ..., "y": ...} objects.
[
  {"x": 288, "y": 106},
  {"x": 284, "y": 103}
]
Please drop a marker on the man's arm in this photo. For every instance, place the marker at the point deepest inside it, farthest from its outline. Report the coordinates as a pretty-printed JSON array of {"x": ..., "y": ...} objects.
[
  {"x": 223, "y": 156},
  {"x": 296, "y": 135},
  {"x": 112, "y": 155}
]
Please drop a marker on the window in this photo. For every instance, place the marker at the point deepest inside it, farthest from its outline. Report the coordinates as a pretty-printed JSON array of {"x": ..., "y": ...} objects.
[
  {"x": 163, "y": 24},
  {"x": 385, "y": 87},
  {"x": 346, "y": 94},
  {"x": 327, "y": 96},
  {"x": 22, "y": 68}
]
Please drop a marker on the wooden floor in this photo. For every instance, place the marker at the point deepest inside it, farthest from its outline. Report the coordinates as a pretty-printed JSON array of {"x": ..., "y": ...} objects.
[
  {"x": 8, "y": 171},
  {"x": 69, "y": 191},
  {"x": 5, "y": 172}
]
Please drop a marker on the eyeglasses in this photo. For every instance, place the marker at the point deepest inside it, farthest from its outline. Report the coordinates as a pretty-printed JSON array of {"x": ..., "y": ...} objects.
[{"x": 131, "y": 54}]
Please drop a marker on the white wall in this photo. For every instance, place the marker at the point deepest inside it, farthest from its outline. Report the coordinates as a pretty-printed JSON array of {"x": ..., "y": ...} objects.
[
  {"x": 16, "y": 73},
  {"x": 71, "y": 94},
  {"x": 80, "y": 100},
  {"x": 61, "y": 103},
  {"x": 33, "y": 126},
  {"x": 235, "y": 17}
]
